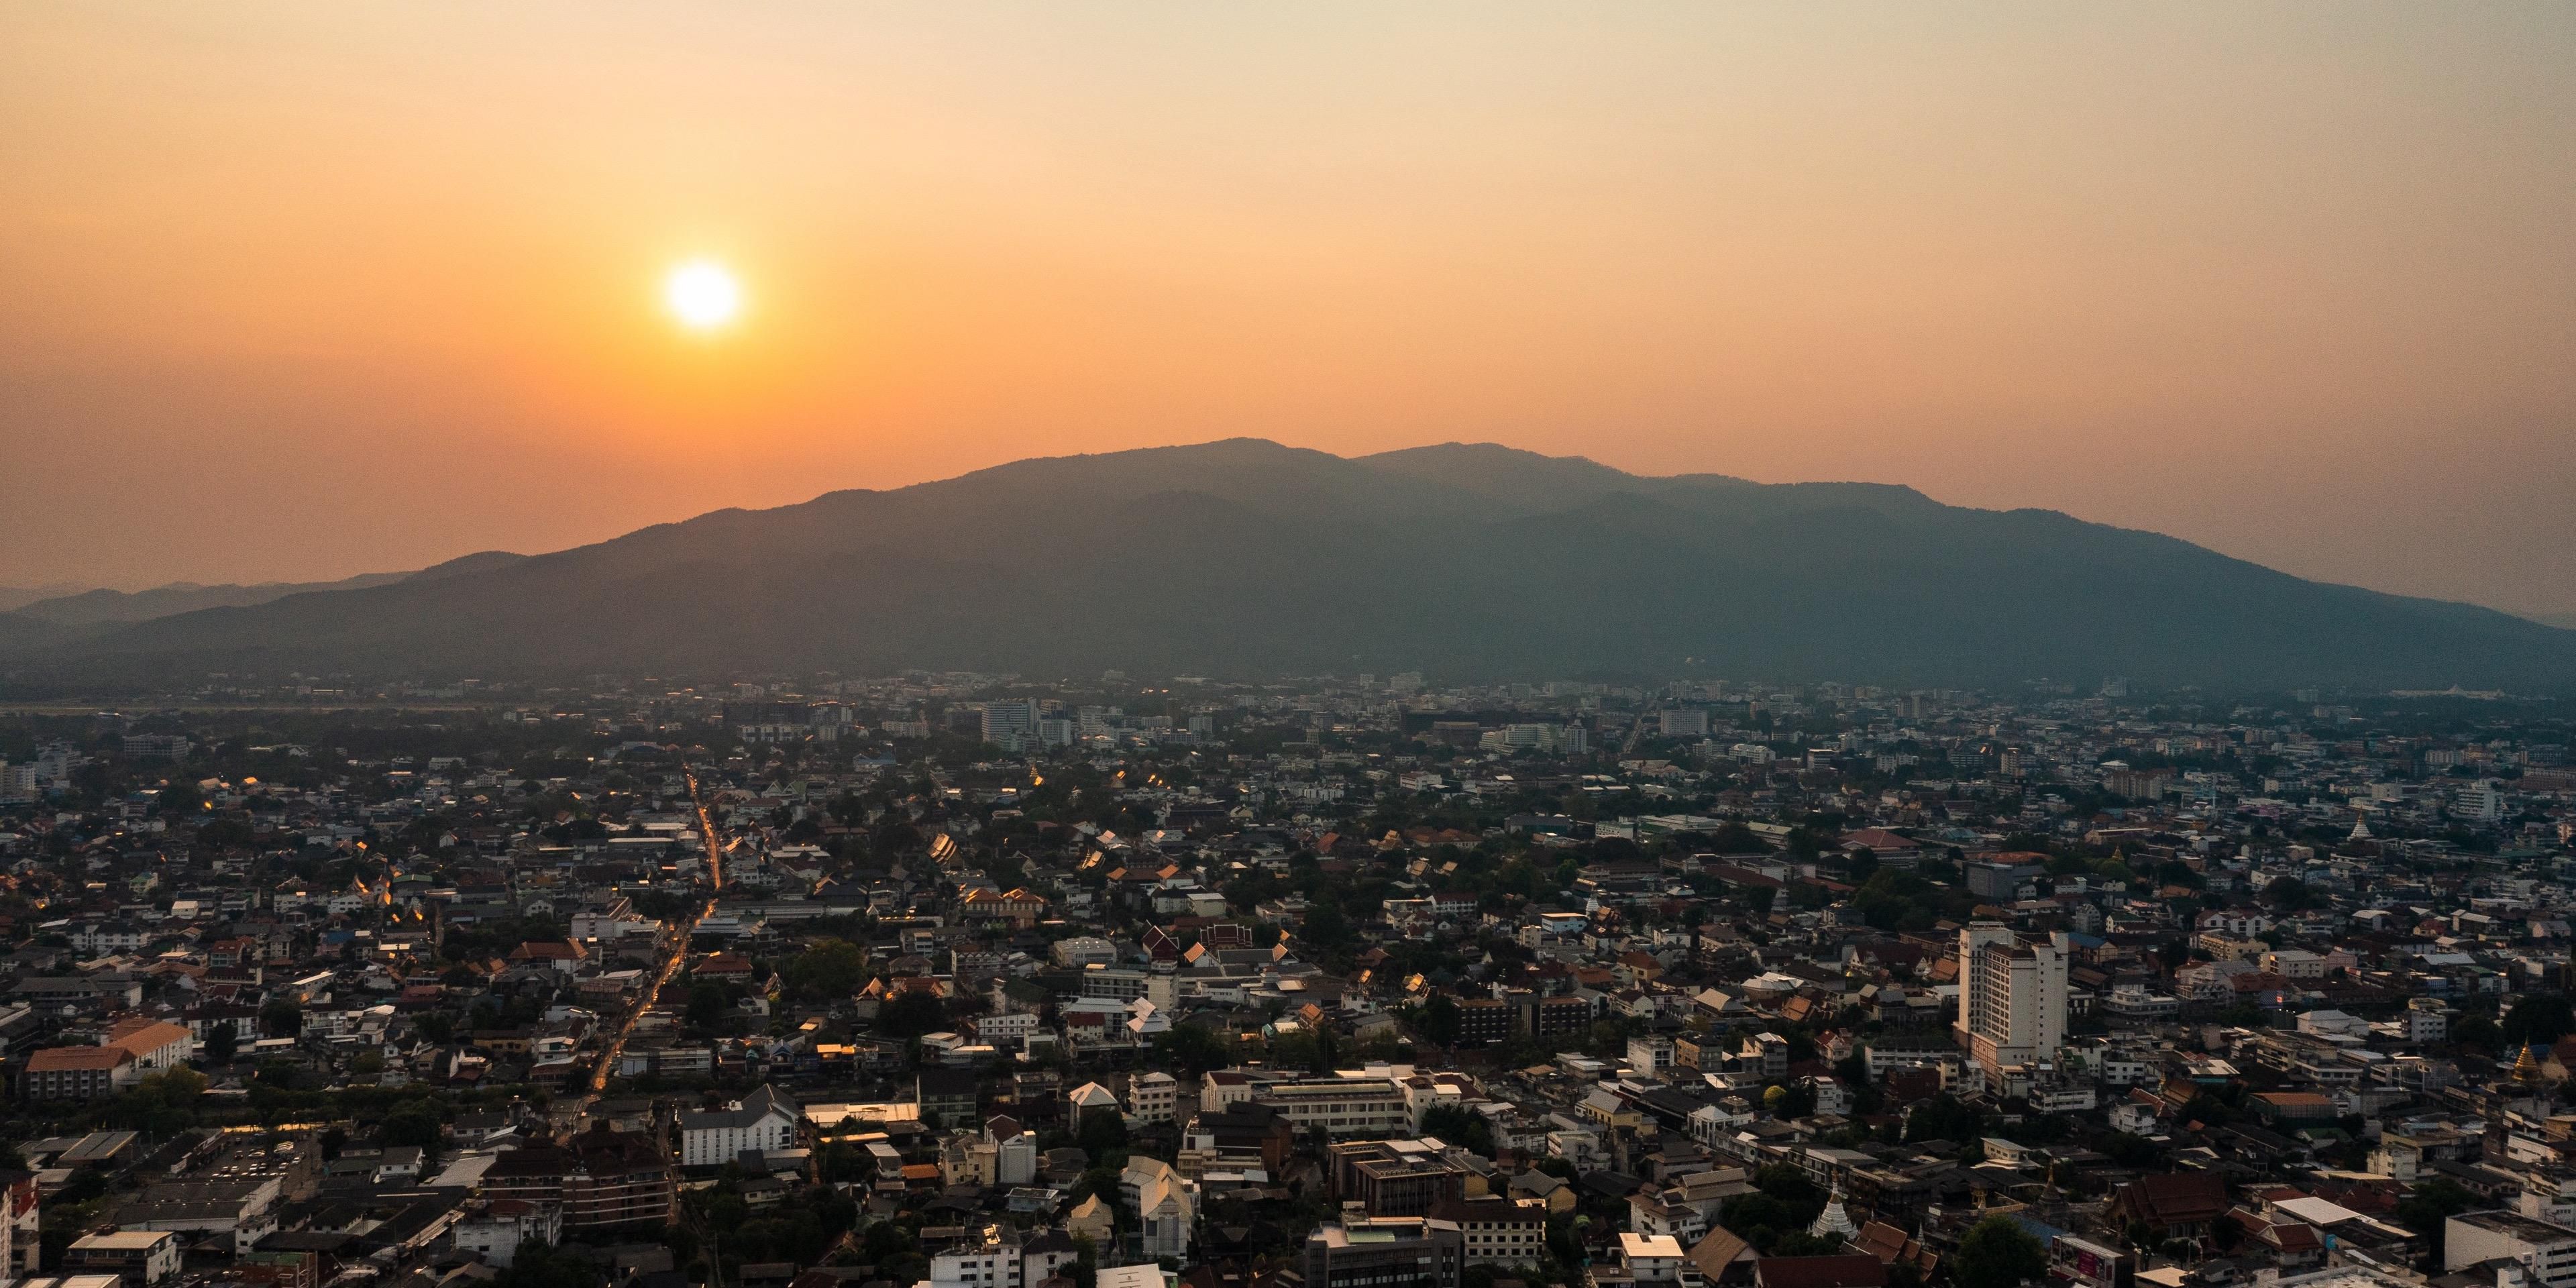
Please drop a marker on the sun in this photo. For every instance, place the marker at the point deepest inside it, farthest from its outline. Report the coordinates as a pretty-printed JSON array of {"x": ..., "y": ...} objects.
[{"x": 702, "y": 294}]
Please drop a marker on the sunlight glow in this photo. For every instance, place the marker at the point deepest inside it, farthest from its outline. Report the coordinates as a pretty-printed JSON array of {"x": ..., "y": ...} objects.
[{"x": 702, "y": 294}]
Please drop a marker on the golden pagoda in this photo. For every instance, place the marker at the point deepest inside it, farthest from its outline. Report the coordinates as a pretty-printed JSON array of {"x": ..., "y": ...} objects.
[{"x": 2526, "y": 1068}]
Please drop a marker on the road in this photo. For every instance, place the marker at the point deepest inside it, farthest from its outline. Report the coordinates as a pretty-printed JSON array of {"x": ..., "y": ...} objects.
[{"x": 671, "y": 964}]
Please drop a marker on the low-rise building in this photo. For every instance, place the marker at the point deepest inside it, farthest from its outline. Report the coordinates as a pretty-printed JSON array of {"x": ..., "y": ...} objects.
[{"x": 140, "y": 1258}]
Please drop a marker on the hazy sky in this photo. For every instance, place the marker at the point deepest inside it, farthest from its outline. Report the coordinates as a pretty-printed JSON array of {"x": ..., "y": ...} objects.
[{"x": 299, "y": 291}]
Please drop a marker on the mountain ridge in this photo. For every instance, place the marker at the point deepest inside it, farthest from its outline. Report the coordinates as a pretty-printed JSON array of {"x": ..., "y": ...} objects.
[{"x": 1245, "y": 557}]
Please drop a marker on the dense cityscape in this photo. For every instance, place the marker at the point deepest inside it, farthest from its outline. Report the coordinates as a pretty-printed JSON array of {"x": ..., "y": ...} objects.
[{"x": 962, "y": 981}]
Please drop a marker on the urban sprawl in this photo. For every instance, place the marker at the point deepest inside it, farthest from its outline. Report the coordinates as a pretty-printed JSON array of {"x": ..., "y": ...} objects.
[{"x": 962, "y": 981}]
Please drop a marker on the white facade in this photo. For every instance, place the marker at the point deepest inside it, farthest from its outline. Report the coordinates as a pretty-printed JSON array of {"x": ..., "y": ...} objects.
[
  {"x": 2012, "y": 996},
  {"x": 1153, "y": 1095},
  {"x": 764, "y": 1120},
  {"x": 499, "y": 1228},
  {"x": 2547, "y": 1251},
  {"x": 1002, "y": 1260},
  {"x": 1165, "y": 1203},
  {"x": 2428, "y": 1019},
  {"x": 1341, "y": 1106}
]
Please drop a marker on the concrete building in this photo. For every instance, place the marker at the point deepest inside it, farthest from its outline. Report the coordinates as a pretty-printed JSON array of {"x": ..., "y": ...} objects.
[
  {"x": 1165, "y": 1203},
  {"x": 1365, "y": 1105},
  {"x": 2546, "y": 1252},
  {"x": 496, "y": 1229},
  {"x": 241, "y": 1209},
  {"x": 2012, "y": 996},
  {"x": 1154, "y": 1095},
  {"x": 79, "y": 1073},
  {"x": 139, "y": 1257},
  {"x": 602, "y": 1179},
  {"x": 1015, "y": 1151},
  {"x": 1498, "y": 1229},
  {"x": 1417, "y": 1252},
  {"x": 1394, "y": 1177},
  {"x": 1147, "y": 1276},
  {"x": 157, "y": 1045},
  {"x": 1004, "y": 1258},
  {"x": 766, "y": 1120}
]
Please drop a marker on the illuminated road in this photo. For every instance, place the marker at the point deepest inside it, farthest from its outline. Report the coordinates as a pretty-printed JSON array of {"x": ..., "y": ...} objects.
[
  {"x": 707, "y": 829},
  {"x": 670, "y": 964}
]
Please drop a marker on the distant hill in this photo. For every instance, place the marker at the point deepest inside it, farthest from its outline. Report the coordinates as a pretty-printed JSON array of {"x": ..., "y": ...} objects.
[
  {"x": 92, "y": 607},
  {"x": 1246, "y": 558},
  {"x": 96, "y": 607},
  {"x": 15, "y": 597},
  {"x": 64, "y": 620}
]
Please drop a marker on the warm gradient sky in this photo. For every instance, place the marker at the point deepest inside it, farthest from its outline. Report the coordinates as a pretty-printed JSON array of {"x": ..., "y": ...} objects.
[{"x": 298, "y": 291}]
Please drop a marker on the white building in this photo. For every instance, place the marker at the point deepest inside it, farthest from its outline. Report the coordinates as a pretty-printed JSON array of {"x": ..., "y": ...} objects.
[
  {"x": 1341, "y": 1106},
  {"x": 497, "y": 1228},
  {"x": 2012, "y": 995},
  {"x": 143, "y": 1257},
  {"x": 2428, "y": 1019},
  {"x": 1004, "y": 1259},
  {"x": 1147, "y": 1276},
  {"x": 1083, "y": 950},
  {"x": 1165, "y": 1203},
  {"x": 1153, "y": 1095},
  {"x": 1652, "y": 1258},
  {"x": 2545, "y": 1251},
  {"x": 1015, "y": 1152},
  {"x": 765, "y": 1120},
  {"x": 1650, "y": 1053}
]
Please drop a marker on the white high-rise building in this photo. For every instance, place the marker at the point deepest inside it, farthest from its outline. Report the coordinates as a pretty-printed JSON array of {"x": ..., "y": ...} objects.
[
  {"x": 2480, "y": 802},
  {"x": 1684, "y": 722},
  {"x": 2012, "y": 996}
]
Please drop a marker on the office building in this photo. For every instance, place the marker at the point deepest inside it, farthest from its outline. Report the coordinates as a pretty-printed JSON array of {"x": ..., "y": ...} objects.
[
  {"x": 2012, "y": 996},
  {"x": 1385, "y": 1252},
  {"x": 2545, "y": 1252}
]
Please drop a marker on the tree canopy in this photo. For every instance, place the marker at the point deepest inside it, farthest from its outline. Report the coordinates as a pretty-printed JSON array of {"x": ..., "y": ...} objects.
[{"x": 1997, "y": 1253}]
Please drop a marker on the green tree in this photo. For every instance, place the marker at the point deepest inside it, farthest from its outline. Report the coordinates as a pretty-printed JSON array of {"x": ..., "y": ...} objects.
[
  {"x": 911, "y": 1013},
  {"x": 1102, "y": 1131},
  {"x": 1326, "y": 927},
  {"x": 1997, "y": 1253},
  {"x": 1945, "y": 1117},
  {"x": 414, "y": 1122},
  {"x": 162, "y": 1103},
  {"x": 2536, "y": 1020},
  {"x": 1190, "y": 1048},
  {"x": 179, "y": 799},
  {"x": 2289, "y": 894},
  {"x": 1438, "y": 1021},
  {"x": 832, "y": 968},
  {"x": 708, "y": 1004},
  {"x": 220, "y": 1042},
  {"x": 281, "y": 1019},
  {"x": 1459, "y": 1125},
  {"x": 2477, "y": 1032},
  {"x": 2428, "y": 1209},
  {"x": 539, "y": 1266}
]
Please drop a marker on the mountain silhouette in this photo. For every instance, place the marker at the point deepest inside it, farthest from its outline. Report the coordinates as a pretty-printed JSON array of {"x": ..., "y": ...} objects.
[{"x": 1246, "y": 559}]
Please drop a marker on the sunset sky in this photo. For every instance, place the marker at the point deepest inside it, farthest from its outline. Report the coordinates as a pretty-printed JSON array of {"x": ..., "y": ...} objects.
[{"x": 301, "y": 291}]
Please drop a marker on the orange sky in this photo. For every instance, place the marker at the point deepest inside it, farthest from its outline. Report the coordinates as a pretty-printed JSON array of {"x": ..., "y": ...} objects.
[{"x": 298, "y": 291}]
